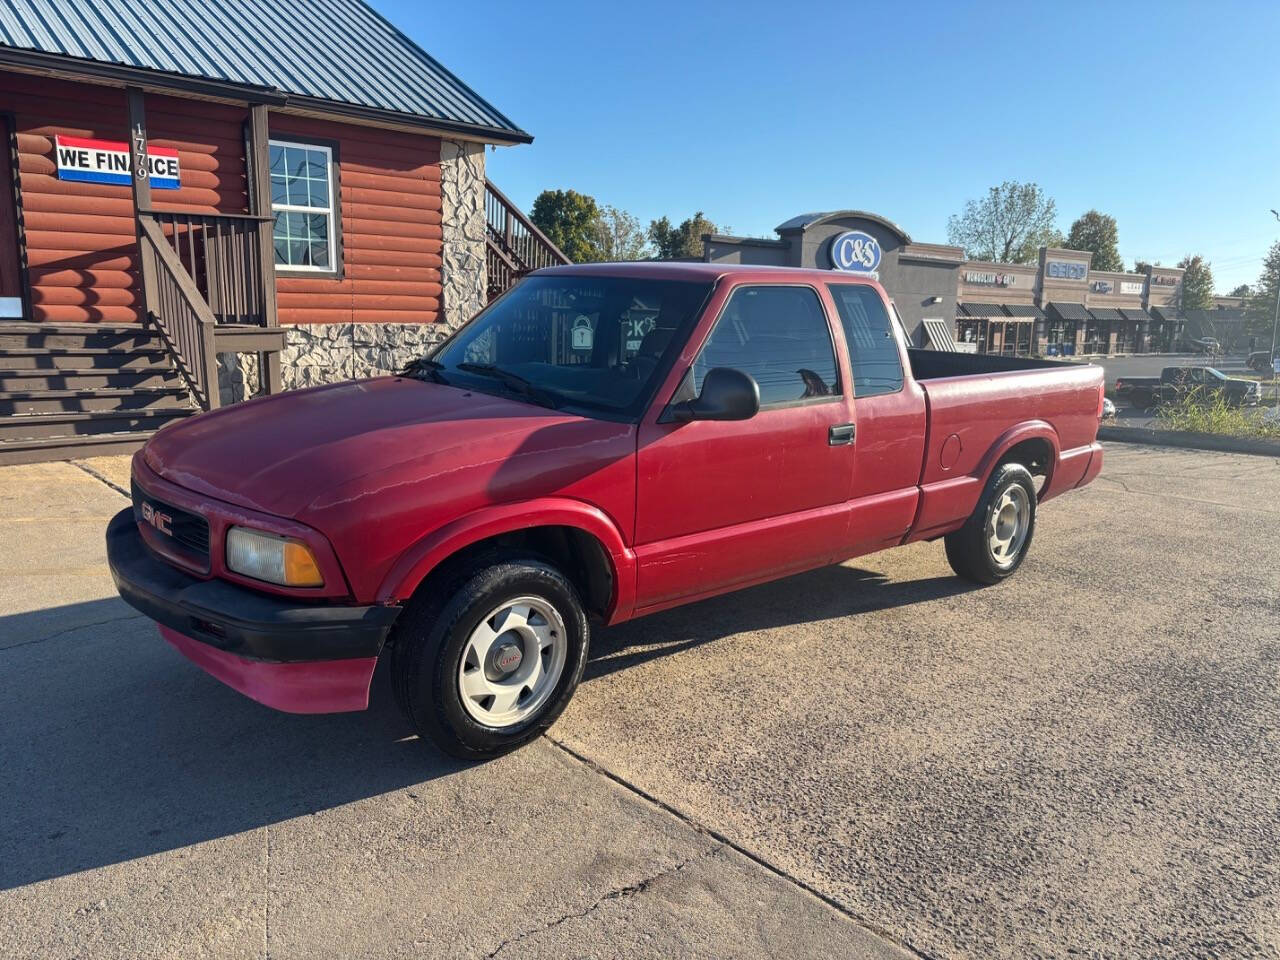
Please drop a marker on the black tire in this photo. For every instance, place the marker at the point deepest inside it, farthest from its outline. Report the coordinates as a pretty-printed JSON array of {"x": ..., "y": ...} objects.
[
  {"x": 969, "y": 550},
  {"x": 430, "y": 640}
]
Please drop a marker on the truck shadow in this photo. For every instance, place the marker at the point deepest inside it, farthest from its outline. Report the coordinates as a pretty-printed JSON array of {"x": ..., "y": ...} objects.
[
  {"x": 113, "y": 747},
  {"x": 823, "y": 594}
]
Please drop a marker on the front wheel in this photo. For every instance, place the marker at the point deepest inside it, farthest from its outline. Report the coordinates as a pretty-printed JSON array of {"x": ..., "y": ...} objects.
[
  {"x": 993, "y": 542},
  {"x": 486, "y": 660}
]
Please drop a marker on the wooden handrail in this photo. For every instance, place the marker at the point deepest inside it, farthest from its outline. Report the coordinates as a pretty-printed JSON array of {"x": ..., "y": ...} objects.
[
  {"x": 182, "y": 317},
  {"x": 514, "y": 245},
  {"x": 524, "y": 221}
]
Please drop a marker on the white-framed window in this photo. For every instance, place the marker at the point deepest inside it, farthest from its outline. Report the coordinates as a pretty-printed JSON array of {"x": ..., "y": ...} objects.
[{"x": 302, "y": 200}]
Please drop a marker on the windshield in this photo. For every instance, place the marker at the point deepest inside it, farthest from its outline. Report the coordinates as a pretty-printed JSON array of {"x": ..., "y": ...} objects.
[{"x": 586, "y": 341}]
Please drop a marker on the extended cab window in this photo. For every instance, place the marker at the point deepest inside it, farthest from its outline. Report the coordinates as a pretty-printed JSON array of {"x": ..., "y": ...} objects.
[
  {"x": 873, "y": 351},
  {"x": 778, "y": 335}
]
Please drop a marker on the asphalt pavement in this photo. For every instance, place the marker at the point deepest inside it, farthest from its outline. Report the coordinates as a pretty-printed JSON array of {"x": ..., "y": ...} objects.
[{"x": 874, "y": 759}]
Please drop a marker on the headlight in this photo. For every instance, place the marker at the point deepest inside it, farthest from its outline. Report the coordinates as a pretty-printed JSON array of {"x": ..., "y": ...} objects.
[{"x": 275, "y": 559}]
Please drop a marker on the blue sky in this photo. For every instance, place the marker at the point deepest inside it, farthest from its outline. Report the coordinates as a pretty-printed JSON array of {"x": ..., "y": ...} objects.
[{"x": 1166, "y": 116}]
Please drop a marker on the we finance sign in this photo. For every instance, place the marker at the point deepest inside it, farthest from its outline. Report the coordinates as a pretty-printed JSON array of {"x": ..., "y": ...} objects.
[{"x": 107, "y": 161}]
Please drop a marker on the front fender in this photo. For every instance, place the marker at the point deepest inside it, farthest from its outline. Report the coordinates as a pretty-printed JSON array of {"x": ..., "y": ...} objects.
[{"x": 432, "y": 550}]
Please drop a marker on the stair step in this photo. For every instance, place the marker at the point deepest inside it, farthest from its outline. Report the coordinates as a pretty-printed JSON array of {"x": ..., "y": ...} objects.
[
  {"x": 34, "y": 358},
  {"x": 69, "y": 448},
  {"x": 89, "y": 378},
  {"x": 21, "y": 326},
  {"x": 70, "y": 340},
  {"x": 24, "y": 402},
  {"x": 87, "y": 423}
]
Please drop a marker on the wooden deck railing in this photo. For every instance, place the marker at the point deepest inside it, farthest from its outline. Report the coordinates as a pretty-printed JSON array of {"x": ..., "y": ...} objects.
[
  {"x": 220, "y": 253},
  {"x": 514, "y": 246},
  {"x": 181, "y": 315}
]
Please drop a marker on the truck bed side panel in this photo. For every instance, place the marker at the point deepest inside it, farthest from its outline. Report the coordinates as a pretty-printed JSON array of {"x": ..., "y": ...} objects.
[{"x": 973, "y": 419}]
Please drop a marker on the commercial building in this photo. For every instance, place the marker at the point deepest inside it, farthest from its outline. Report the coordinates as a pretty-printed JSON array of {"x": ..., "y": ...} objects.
[
  {"x": 1058, "y": 306},
  {"x": 225, "y": 199}
]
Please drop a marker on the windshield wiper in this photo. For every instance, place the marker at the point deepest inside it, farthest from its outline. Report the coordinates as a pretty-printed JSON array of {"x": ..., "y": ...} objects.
[
  {"x": 421, "y": 368},
  {"x": 526, "y": 388}
]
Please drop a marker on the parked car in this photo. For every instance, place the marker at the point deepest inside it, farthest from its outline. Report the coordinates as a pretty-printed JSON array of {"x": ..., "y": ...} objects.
[
  {"x": 1206, "y": 345},
  {"x": 1182, "y": 383},
  {"x": 557, "y": 463},
  {"x": 1260, "y": 361},
  {"x": 1108, "y": 409}
]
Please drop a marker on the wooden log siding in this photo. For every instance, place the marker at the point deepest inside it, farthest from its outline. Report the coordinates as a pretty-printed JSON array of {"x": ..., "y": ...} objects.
[
  {"x": 81, "y": 241},
  {"x": 391, "y": 232}
]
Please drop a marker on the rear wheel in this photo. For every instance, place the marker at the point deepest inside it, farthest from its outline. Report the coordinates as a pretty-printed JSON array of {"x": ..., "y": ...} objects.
[
  {"x": 485, "y": 660},
  {"x": 993, "y": 542}
]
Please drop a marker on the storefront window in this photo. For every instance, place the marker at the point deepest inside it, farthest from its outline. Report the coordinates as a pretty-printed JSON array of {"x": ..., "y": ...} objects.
[{"x": 302, "y": 201}]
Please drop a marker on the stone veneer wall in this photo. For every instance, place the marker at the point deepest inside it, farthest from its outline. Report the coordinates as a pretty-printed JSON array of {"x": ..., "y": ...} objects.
[
  {"x": 462, "y": 199},
  {"x": 329, "y": 352}
]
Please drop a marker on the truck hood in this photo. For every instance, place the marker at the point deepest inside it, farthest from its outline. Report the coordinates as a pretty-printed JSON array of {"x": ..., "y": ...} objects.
[{"x": 279, "y": 454}]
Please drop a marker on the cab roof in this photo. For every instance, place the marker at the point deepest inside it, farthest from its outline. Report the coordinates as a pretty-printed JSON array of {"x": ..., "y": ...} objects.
[{"x": 697, "y": 271}]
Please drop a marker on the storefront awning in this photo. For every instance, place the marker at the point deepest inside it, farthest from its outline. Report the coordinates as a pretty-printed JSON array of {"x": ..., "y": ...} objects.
[
  {"x": 1024, "y": 311},
  {"x": 1135, "y": 315},
  {"x": 984, "y": 311},
  {"x": 939, "y": 333},
  {"x": 1068, "y": 311},
  {"x": 1168, "y": 314},
  {"x": 1107, "y": 314}
]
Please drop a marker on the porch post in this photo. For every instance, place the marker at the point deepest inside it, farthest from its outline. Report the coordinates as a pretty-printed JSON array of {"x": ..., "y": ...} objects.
[
  {"x": 141, "y": 195},
  {"x": 259, "y": 164}
]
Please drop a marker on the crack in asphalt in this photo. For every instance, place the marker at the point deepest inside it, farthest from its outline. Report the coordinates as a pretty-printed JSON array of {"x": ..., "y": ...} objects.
[
  {"x": 630, "y": 890},
  {"x": 726, "y": 842},
  {"x": 98, "y": 476},
  {"x": 77, "y": 627}
]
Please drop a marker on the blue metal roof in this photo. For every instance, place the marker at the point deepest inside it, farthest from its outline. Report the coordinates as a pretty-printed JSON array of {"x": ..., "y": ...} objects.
[{"x": 338, "y": 51}]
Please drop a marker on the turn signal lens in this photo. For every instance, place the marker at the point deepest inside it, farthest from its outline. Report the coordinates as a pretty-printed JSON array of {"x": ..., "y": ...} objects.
[{"x": 265, "y": 556}]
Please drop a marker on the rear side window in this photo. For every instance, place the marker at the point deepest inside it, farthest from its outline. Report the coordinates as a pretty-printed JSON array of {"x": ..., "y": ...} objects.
[
  {"x": 778, "y": 335},
  {"x": 873, "y": 352}
]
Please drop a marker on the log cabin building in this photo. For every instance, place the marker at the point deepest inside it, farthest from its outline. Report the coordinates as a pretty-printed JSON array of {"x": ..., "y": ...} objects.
[{"x": 305, "y": 212}]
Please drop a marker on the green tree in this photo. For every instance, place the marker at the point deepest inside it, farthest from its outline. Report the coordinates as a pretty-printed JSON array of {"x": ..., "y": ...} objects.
[
  {"x": 569, "y": 219},
  {"x": 1197, "y": 283},
  {"x": 619, "y": 235},
  {"x": 1008, "y": 225},
  {"x": 1142, "y": 266},
  {"x": 1241, "y": 291},
  {"x": 1096, "y": 232},
  {"x": 1260, "y": 311},
  {"x": 683, "y": 242}
]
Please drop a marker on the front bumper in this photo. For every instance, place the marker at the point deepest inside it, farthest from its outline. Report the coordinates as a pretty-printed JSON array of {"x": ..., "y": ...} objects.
[{"x": 289, "y": 654}]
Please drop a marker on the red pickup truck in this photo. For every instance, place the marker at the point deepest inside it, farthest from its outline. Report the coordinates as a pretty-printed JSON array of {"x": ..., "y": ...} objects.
[{"x": 600, "y": 443}]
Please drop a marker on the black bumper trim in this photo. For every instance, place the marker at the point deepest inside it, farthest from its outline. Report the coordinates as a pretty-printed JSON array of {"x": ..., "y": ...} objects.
[{"x": 235, "y": 619}]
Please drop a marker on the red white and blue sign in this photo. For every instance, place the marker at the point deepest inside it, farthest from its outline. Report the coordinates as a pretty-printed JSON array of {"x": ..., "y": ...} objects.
[{"x": 107, "y": 161}]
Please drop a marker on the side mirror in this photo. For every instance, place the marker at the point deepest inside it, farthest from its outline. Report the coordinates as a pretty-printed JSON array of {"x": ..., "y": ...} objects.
[{"x": 727, "y": 394}]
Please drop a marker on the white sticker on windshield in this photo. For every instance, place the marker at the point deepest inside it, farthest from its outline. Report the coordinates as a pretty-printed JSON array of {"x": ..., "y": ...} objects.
[{"x": 582, "y": 335}]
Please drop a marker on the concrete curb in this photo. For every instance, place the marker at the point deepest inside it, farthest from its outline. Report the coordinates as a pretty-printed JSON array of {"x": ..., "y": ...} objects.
[{"x": 1190, "y": 440}]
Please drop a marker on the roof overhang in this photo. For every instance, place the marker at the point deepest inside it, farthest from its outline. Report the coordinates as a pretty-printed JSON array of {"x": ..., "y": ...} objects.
[
  {"x": 157, "y": 81},
  {"x": 807, "y": 220}
]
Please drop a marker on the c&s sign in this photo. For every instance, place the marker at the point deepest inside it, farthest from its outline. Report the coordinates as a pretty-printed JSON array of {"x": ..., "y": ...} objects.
[{"x": 856, "y": 252}]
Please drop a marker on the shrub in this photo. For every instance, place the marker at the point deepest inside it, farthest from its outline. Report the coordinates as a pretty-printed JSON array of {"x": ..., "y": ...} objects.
[{"x": 1196, "y": 413}]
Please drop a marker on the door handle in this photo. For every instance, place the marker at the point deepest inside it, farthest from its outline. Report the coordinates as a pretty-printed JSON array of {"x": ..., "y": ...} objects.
[{"x": 841, "y": 434}]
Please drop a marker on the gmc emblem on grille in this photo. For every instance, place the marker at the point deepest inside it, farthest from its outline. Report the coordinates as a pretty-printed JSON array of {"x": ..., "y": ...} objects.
[{"x": 161, "y": 521}]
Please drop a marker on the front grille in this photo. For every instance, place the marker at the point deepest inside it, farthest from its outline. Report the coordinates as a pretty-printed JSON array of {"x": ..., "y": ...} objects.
[{"x": 188, "y": 532}]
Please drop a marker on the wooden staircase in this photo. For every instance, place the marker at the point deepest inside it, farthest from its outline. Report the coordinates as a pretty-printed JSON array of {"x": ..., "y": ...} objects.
[
  {"x": 513, "y": 245},
  {"x": 84, "y": 389}
]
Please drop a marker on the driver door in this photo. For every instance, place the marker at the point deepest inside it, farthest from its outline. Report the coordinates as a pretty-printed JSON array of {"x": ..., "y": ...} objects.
[{"x": 724, "y": 504}]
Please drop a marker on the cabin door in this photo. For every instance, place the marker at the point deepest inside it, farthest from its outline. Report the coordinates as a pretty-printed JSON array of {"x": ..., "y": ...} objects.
[{"x": 10, "y": 262}]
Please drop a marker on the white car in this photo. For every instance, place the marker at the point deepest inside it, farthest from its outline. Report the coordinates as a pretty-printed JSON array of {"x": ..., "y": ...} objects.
[{"x": 1108, "y": 409}]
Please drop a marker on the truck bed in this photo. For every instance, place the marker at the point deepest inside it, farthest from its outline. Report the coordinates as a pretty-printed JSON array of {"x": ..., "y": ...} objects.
[
  {"x": 977, "y": 404},
  {"x": 936, "y": 364}
]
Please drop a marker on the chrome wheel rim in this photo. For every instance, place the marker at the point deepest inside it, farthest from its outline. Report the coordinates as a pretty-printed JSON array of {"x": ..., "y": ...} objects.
[
  {"x": 1008, "y": 526},
  {"x": 512, "y": 662}
]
